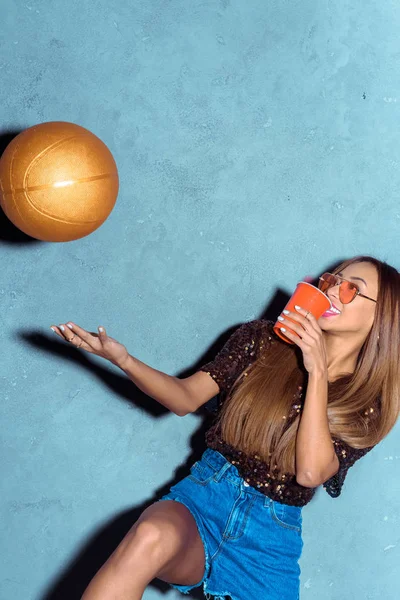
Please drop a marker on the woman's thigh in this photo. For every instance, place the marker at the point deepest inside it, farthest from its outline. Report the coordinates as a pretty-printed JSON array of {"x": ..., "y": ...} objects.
[
  {"x": 181, "y": 547},
  {"x": 163, "y": 543}
]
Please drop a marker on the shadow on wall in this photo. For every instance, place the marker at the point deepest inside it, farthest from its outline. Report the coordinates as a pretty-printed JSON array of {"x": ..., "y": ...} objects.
[{"x": 70, "y": 584}]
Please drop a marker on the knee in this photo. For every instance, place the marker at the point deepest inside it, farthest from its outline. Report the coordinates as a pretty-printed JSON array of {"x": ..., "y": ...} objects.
[
  {"x": 131, "y": 566},
  {"x": 147, "y": 534},
  {"x": 142, "y": 541}
]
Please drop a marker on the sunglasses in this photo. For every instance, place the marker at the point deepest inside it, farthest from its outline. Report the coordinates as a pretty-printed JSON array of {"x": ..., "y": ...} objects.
[{"x": 347, "y": 290}]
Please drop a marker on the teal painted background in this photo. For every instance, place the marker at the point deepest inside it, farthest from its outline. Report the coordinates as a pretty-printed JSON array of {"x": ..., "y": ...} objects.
[{"x": 256, "y": 143}]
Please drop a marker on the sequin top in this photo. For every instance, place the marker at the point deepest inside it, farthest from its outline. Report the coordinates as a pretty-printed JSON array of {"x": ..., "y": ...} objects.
[{"x": 240, "y": 351}]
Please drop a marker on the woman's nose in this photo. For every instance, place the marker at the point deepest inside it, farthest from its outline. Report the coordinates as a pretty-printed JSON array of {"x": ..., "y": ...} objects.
[{"x": 334, "y": 292}]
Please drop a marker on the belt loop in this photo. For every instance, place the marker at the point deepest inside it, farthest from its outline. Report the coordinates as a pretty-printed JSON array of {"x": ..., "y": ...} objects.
[
  {"x": 222, "y": 470},
  {"x": 267, "y": 502}
]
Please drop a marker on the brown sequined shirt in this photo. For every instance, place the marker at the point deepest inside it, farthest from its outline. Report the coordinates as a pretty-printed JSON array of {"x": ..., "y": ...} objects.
[{"x": 240, "y": 351}]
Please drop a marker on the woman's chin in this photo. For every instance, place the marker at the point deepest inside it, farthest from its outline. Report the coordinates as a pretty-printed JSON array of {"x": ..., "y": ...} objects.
[{"x": 326, "y": 324}]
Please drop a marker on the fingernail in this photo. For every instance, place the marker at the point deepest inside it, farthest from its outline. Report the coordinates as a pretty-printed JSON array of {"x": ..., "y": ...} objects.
[
  {"x": 62, "y": 327},
  {"x": 69, "y": 325},
  {"x": 283, "y": 329},
  {"x": 285, "y": 312},
  {"x": 52, "y": 328},
  {"x": 101, "y": 329},
  {"x": 297, "y": 307},
  {"x": 281, "y": 319}
]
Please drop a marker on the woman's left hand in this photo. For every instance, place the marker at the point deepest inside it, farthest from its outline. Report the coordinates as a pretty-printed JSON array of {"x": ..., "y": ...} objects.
[{"x": 311, "y": 341}]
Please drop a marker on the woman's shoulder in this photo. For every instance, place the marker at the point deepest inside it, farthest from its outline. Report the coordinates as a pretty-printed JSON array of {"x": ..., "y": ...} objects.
[
  {"x": 263, "y": 327},
  {"x": 249, "y": 338},
  {"x": 241, "y": 349},
  {"x": 249, "y": 341},
  {"x": 256, "y": 334}
]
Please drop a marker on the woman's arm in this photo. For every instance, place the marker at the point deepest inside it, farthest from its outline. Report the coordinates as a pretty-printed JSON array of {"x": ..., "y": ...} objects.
[
  {"x": 181, "y": 396},
  {"x": 316, "y": 460},
  {"x": 184, "y": 396}
]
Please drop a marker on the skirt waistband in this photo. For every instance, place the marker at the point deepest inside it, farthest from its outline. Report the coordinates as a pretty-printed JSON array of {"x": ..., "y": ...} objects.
[{"x": 223, "y": 468}]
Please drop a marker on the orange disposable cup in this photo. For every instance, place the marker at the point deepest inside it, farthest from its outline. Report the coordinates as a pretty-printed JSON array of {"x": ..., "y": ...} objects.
[{"x": 310, "y": 298}]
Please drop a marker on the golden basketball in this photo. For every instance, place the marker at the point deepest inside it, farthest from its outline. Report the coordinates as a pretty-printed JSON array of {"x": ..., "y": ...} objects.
[{"x": 58, "y": 182}]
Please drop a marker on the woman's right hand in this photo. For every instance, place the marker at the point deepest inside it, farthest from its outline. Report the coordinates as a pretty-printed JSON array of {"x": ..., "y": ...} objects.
[{"x": 95, "y": 343}]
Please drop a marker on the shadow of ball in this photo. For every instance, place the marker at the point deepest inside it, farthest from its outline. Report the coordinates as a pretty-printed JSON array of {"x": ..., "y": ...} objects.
[{"x": 58, "y": 182}]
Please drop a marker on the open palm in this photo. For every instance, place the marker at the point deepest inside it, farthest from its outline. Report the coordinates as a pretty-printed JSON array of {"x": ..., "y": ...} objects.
[{"x": 95, "y": 343}]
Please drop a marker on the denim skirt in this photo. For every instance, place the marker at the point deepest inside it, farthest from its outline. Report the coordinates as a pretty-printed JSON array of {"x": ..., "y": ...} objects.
[{"x": 252, "y": 544}]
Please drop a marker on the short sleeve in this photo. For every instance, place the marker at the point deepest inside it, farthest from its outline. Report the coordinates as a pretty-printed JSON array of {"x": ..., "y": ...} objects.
[
  {"x": 347, "y": 457},
  {"x": 240, "y": 351}
]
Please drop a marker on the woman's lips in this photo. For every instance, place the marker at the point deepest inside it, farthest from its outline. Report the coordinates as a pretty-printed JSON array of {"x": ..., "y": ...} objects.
[{"x": 332, "y": 312}]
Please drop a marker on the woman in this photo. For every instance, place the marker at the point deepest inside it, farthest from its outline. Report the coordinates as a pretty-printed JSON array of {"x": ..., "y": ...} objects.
[{"x": 290, "y": 418}]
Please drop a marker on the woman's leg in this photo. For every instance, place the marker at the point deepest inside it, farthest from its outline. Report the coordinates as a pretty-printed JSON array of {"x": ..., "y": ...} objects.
[{"x": 164, "y": 543}]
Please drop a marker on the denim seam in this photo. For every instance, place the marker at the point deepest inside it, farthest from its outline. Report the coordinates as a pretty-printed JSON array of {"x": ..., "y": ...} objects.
[
  {"x": 199, "y": 482},
  {"x": 244, "y": 521},
  {"x": 223, "y": 537},
  {"x": 282, "y": 523}
]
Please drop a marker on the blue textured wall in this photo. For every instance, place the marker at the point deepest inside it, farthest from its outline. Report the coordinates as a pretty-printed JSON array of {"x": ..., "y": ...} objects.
[{"x": 257, "y": 142}]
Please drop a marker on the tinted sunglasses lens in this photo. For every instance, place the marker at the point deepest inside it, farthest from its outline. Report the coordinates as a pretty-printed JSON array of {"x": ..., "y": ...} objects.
[
  {"x": 326, "y": 281},
  {"x": 347, "y": 292}
]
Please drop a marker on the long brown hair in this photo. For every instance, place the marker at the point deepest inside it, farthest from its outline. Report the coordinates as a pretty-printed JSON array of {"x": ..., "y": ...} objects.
[{"x": 252, "y": 418}]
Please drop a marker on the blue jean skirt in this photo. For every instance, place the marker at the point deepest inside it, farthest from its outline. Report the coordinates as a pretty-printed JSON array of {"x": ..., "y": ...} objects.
[{"x": 252, "y": 544}]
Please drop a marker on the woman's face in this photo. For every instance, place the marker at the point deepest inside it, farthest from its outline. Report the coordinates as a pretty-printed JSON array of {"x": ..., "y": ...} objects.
[{"x": 358, "y": 316}]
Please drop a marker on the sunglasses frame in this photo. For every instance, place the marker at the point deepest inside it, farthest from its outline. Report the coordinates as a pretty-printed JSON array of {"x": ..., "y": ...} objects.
[{"x": 358, "y": 293}]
